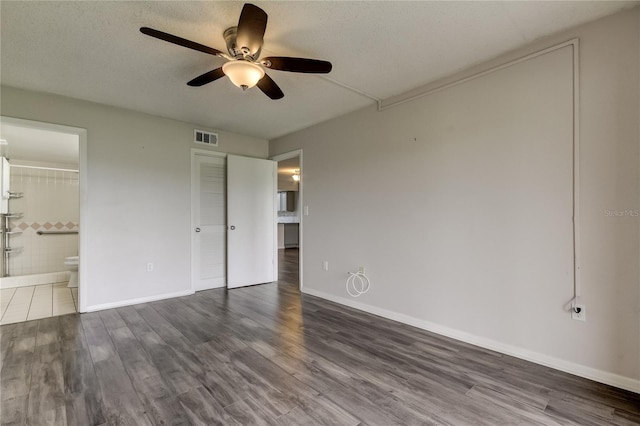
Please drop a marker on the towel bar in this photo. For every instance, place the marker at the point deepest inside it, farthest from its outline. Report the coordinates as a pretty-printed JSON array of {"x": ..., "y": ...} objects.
[{"x": 56, "y": 232}]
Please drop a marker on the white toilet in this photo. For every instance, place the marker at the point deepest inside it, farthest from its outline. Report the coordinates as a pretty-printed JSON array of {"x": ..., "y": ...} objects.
[{"x": 72, "y": 265}]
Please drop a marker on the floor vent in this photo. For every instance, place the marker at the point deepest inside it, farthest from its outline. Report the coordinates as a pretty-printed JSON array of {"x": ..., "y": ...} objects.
[{"x": 205, "y": 138}]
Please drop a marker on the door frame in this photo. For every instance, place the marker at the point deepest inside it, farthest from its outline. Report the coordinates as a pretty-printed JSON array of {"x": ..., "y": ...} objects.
[
  {"x": 194, "y": 153},
  {"x": 83, "y": 234},
  {"x": 286, "y": 156}
]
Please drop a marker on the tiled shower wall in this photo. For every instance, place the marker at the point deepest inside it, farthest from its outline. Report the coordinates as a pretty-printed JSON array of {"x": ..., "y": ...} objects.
[{"x": 50, "y": 203}]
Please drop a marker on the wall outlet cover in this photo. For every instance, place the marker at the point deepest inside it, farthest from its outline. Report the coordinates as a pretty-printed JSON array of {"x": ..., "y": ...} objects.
[{"x": 579, "y": 316}]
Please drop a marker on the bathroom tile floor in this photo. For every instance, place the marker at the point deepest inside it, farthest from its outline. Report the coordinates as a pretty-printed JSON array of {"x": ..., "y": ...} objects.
[{"x": 35, "y": 302}]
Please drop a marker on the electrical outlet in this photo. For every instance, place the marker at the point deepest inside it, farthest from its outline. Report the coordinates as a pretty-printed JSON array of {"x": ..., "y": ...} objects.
[
  {"x": 325, "y": 265},
  {"x": 306, "y": 210},
  {"x": 149, "y": 267},
  {"x": 578, "y": 316}
]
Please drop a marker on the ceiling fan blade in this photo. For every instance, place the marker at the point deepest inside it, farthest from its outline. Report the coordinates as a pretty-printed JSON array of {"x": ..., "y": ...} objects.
[
  {"x": 206, "y": 78},
  {"x": 270, "y": 88},
  {"x": 251, "y": 27},
  {"x": 179, "y": 41},
  {"x": 310, "y": 66}
]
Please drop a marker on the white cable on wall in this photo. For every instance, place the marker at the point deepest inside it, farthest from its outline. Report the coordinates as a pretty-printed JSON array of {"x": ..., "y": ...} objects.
[{"x": 358, "y": 283}]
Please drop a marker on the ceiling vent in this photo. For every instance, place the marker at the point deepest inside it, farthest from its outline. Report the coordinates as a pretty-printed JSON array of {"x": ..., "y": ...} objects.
[{"x": 205, "y": 138}]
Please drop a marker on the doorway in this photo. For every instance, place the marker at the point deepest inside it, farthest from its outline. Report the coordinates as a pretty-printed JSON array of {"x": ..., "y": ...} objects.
[
  {"x": 290, "y": 217},
  {"x": 42, "y": 204}
]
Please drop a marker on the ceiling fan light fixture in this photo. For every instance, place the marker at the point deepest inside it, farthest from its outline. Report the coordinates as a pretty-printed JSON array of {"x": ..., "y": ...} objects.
[
  {"x": 243, "y": 74},
  {"x": 244, "y": 44}
]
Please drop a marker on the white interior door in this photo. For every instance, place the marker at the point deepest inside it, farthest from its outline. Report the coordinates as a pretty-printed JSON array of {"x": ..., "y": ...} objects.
[
  {"x": 209, "y": 222},
  {"x": 251, "y": 214}
]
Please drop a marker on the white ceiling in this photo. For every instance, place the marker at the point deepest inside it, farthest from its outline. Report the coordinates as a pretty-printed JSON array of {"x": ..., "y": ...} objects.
[
  {"x": 93, "y": 50},
  {"x": 28, "y": 144}
]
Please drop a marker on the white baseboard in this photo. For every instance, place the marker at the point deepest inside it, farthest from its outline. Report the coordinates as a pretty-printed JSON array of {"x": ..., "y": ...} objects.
[
  {"x": 605, "y": 377},
  {"x": 130, "y": 302}
]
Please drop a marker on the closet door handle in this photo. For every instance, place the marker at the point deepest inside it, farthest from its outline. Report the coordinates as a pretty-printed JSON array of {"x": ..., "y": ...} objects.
[
  {"x": 232, "y": 227},
  {"x": 197, "y": 229}
]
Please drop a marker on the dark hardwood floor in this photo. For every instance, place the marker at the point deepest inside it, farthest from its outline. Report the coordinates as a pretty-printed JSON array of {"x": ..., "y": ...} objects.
[
  {"x": 267, "y": 355},
  {"x": 288, "y": 265}
]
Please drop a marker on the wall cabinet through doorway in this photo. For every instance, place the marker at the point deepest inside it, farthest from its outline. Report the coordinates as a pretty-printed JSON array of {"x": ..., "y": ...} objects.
[{"x": 287, "y": 201}]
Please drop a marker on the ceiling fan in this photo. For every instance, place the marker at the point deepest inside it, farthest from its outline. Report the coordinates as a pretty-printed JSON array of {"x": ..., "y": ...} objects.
[{"x": 244, "y": 44}]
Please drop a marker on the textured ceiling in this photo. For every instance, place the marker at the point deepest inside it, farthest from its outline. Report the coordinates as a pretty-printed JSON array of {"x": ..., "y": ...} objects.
[{"x": 93, "y": 50}]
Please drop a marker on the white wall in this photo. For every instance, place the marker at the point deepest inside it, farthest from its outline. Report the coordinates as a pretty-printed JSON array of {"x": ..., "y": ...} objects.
[
  {"x": 459, "y": 205},
  {"x": 138, "y": 182}
]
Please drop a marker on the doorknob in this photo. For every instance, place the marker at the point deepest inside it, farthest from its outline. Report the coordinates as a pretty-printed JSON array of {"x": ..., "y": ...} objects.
[
  {"x": 232, "y": 227},
  {"x": 197, "y": 229}
]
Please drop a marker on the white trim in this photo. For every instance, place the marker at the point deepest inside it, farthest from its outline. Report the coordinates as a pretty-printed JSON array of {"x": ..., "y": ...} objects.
[
  {"x": 83, "y": 235},
  {"x": 425, "y": 91},
  {"x": 286, "y": 156},
  {"x": 41, "y": 125},
  {"x": 130, "y": 302},
  {"x": 576, "y": 169},
  {"x": 207, "y": 152},
  {"x": 601, "y": 376},
  {"x": 351, "y": 88},
  {"x": 274, "y": 256},
  {"x": 194, "y": 152}
]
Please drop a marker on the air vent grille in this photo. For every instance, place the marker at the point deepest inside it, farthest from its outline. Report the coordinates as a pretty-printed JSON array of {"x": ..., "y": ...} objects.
[{"x": 205, "y": 138}]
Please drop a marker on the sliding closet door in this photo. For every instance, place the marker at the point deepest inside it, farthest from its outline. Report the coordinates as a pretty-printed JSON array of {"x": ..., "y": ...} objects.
[{"x": 209, "y": 222}]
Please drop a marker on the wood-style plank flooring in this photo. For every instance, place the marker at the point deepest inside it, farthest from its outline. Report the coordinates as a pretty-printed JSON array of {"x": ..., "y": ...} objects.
[
  {"x": 288, "y": 265},
  {"x": 267, "y": 355}
]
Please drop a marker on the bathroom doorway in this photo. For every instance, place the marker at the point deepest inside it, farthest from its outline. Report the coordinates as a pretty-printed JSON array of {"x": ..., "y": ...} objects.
[
  {"x": 39, "y": 219},
  {"x": 290, "y": 217}
]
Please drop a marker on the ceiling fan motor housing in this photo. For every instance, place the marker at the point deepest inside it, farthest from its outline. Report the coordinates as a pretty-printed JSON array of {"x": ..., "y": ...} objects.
[{"x": 233, "y": 48}]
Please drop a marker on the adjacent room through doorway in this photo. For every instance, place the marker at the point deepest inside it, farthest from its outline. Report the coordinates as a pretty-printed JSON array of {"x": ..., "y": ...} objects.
[
  {"x": 39, "y": 221},
  {"x": 289, "y": 217}
]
